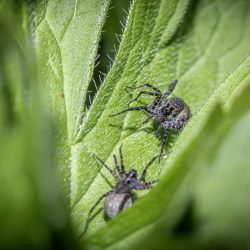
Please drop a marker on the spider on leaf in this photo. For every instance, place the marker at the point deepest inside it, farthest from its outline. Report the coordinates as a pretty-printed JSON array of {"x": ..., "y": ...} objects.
[
  {"x": 172, "y": 113},
  {"x": 121, "y": 196}
]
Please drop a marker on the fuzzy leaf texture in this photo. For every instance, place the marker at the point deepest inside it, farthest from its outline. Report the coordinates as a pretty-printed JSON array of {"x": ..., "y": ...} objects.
[
  {"x": 66, "y": 35},
  {"x": 202, "y": 202},
  {"x": 198, "y": 43}
]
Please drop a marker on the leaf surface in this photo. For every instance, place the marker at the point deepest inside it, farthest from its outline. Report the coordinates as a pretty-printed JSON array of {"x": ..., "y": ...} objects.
[
  {"x": 163, "y": 41},
  {"x": 66, "y": 36},
  {"x": 195, "y": 148}
]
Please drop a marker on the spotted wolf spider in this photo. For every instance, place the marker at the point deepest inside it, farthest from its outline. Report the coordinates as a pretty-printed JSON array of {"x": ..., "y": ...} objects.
[
  {"x": 171, "y": 112},
  {"x": 121, "y": 196}
]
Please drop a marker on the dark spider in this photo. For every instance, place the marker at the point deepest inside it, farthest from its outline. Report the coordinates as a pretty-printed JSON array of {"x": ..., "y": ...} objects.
[
  {"x": 172, "y": 113},
  {"x": 121, "y": 196}
]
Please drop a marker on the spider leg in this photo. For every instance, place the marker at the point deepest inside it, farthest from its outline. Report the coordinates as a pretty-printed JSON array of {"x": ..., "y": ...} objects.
[
  {"x": 156, "y": 102},
  {"x": 145, "y": 93},
  {"x": 163, "y": 143},
  {"x": 117, "y": 166},
  {"x": 146, "y": 85},
  {"x": 122, "y": 163},
  {"x": 105, "y": 178},
  {"x": 144, "y": 172},
  {"x": 131, "y": 109},
  {"x": 150, "y": 183},
  {"x": 92, "y": 209},
  {"x": 147, "y": 120},
  {"x": 145, "y": 185},
  {"x": 158, "y": 132},
  {"x": 107, "y": 167},
  {"x": 171, "y": 88}
]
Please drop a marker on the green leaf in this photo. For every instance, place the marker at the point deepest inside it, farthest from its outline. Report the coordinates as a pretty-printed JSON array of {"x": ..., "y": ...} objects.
[
  {"x": 200, "y": 44},
  {"x": 66, "y": 35},
  {"x": 200, "y": 201},
  {"x": 158, "y": 203}
]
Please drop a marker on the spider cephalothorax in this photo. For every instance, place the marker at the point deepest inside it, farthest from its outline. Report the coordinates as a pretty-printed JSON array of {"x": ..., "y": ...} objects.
[
  {"x": 121, "y": 196},
  {"x": 171, "y": 112}
]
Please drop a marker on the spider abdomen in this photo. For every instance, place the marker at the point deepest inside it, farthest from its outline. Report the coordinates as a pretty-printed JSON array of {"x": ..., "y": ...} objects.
[{"x": 116, "y": 203}]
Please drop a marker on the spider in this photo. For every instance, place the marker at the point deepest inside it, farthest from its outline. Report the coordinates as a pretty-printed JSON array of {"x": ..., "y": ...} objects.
[
  {"x": 121, "y": 196},
  {"x": 172, "y": 113}
]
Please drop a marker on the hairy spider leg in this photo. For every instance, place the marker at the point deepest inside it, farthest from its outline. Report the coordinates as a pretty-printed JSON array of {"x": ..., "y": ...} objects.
[
  {"x": 121, "y": 159},
  {"x": 158, "y": 132},
  {"x": 177, "y": 124},
  {"x": 147, "y": 120},
  {"x": 103, "y": 176},
  {"x": 144, "y": 172},
  {"x": 145, "y": 93},
  {"x": 149, "y": 183},
  {"x": 163, "y": 142},
  {"x": 93, "y": 208},
  {"x": 146, "y": 85},
  {"x": 117, "y": 166},
  {"x": 155, "y": 103},
  {"x": 106, "y": 179},
  {"x": 131, "y": 109},
  {"x": 158, "y": 94},
  {"x": 170, "y": 89},
  {"x": 145, "y": 185},
  {"x": 107, "y": 167}
]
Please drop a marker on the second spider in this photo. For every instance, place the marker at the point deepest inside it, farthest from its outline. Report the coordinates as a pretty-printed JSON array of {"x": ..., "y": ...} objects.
[{"x": 121, "y": 196}]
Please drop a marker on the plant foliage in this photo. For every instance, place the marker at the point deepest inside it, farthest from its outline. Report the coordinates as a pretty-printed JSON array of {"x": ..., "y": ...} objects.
[{"x": 201, "y": 199}]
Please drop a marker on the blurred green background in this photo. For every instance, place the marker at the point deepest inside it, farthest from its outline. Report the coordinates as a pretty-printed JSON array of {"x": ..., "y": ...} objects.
[
  {"x": 33, "y": 211},
  {"x": 202, "y": 200}
]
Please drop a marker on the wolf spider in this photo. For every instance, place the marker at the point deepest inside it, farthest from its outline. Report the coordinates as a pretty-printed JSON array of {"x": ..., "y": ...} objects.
[
  {"x": 172, "y": 113},
  {"x": 121, "y": 196}
]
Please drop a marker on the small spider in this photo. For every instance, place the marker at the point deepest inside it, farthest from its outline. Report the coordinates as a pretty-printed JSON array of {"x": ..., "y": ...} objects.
[
  {"x": 121, "y": 196},
  {"x": 172, "y": 113}
]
